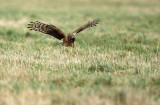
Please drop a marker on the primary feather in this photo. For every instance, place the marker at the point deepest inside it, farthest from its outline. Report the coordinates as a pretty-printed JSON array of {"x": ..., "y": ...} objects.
[
  {"x": 88, "y": 25},
  {"x": 47, "y": 29}
]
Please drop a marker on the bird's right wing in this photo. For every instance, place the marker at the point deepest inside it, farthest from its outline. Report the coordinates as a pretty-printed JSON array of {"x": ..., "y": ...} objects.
[{"x": 47, "y": 29}]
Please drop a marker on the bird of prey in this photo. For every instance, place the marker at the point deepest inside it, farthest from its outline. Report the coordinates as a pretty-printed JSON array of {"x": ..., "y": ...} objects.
[{"x": 68, "y": 39}]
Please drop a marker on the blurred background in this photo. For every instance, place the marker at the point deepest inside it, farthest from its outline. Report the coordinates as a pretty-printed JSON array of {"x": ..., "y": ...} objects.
[
  {"x": 117, "y": 62},
  {"x": 115, "y": 15}
]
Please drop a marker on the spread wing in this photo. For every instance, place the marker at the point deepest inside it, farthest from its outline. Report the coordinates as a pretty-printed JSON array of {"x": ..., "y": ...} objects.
[
  {"x": 47, "y": 29},
  {"x": 88, "y": 25}
]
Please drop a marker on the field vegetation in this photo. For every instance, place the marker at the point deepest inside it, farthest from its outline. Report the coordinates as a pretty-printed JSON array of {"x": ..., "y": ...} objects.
[{"x": 117, "y": 62}]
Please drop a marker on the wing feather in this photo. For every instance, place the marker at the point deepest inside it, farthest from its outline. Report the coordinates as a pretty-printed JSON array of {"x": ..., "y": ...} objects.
[
  {"x": 47, "y": 29},
  {"x": 88, "y": 25}
]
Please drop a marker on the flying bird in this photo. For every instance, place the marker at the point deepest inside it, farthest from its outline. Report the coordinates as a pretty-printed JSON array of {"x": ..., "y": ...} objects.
[{"x": 68, "y": 39}]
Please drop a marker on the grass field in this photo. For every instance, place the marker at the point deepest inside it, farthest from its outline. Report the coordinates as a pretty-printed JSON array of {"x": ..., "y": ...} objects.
[{"x": 117, "y": 62}]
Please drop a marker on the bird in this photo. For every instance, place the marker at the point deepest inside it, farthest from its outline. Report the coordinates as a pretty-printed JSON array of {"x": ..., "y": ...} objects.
[{"x": 68, "y": 39}]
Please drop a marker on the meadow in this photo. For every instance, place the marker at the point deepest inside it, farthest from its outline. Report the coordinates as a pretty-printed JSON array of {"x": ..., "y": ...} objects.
[{"x": 117, "y": 62}]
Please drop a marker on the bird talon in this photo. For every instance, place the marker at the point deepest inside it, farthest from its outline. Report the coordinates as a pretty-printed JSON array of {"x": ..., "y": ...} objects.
[{"x": 74, "y": 51}]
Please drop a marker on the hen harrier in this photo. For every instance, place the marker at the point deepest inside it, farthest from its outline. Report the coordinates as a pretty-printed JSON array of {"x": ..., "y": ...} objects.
[{"x": 68, "y": 39}]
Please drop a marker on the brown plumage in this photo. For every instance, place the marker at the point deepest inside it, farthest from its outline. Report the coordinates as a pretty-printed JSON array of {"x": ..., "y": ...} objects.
[{"x": 68, "y": 39}]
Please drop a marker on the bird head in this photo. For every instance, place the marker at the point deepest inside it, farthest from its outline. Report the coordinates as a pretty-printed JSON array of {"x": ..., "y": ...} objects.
[{"x": 71, "y": 38}]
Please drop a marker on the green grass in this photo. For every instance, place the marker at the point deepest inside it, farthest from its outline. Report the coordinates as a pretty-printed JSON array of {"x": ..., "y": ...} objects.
[{"x": 117, "y": 62}]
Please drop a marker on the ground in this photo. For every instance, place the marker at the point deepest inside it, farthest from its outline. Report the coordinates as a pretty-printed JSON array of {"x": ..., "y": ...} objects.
[{"x": 117, "y": 62}]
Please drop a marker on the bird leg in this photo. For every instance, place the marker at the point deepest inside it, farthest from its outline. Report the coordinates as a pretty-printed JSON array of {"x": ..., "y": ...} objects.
[
  {"x": 74, "y": 51},
  {"x": 73, "y": 45}
]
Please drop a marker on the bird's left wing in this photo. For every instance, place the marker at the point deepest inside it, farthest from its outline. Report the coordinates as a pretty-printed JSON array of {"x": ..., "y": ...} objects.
[{"x": 88, "y": 25}]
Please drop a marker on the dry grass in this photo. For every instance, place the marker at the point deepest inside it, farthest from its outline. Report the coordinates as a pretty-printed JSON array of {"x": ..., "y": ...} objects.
[{"x": 117, "y": 62}]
